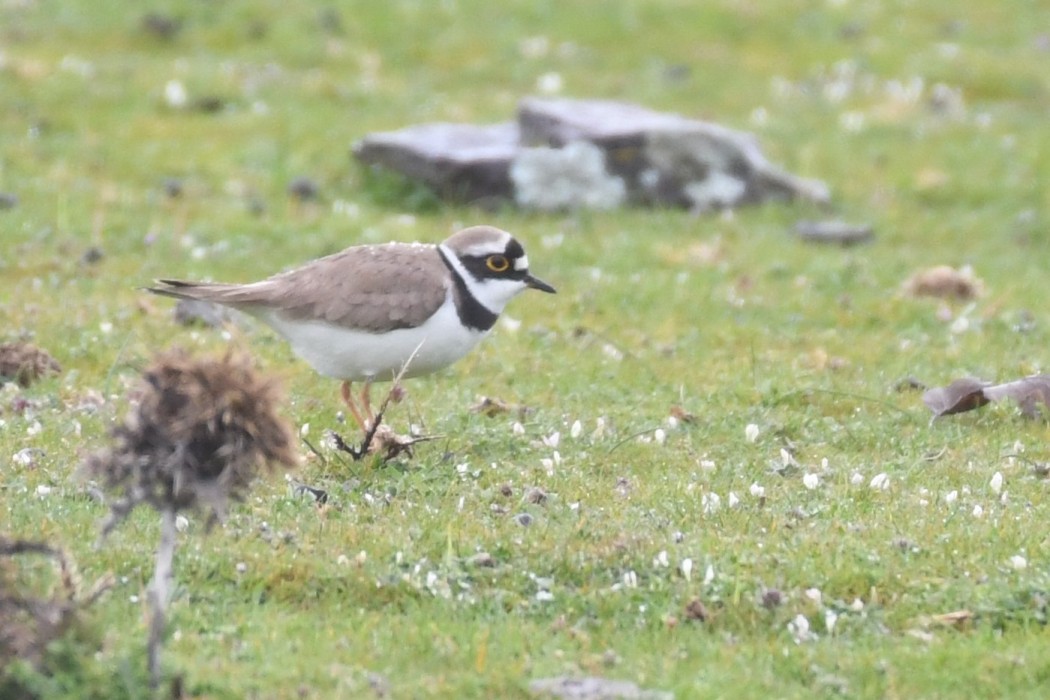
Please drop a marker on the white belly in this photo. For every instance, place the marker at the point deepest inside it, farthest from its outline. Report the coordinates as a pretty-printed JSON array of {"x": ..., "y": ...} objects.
[{"x": 342, "y": 353}]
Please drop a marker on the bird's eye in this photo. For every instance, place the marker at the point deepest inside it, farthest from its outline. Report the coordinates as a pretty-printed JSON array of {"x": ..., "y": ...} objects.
[{"x": 497, "y": 263}]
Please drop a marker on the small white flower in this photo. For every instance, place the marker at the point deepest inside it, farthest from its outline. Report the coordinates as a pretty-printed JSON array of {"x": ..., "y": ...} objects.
[
  {"x": 241, "y": 567},
  {"x": 660, "y": 436},
  {"x": 661, "y": 559},
  {"x": 857, "y": 605},
  {"x": 549, "y": 83},
  {"x": 815, "y": 595},
  {"x": 710, "y": 502},
  {"x": 810, "y": 480},
  {"x": 672, "y": 422},
  {"x": 175, "y": 94},
  {"x": 709, "y": 574},
  {"x": 799, "y": 629},
  {"x": 751, "y": 432},
  {"x": 786, "y": 458},
  {"x": 552, "y": 440},
  {"x": 856, "y": 479},
  {"x": 734, "y": 501},
  {"x": 978, "y": 511},
  {"x": 951, "y": 497},
  {"x": 43, "y": 490},
  {"x": 707, "y": 465},
  {"x": 544, "y": 596},
  {"x": 830, "y": 618},
  {"x": 510, "y": 323},
  {"x": 576, "y": 429},
  {"x": 181, "y": 523},
  {"x": 757, "y": 491},
  {"x": 996, "y": 484},
  {"x": 1018, "y": 562},
  {"x": 517, "y": 428},
  {"x": 304, "y": 430},
  {"x": 880, "y": 482},
  {"x": 630, "y": 579},
  {"x": 686, "y": 568}
]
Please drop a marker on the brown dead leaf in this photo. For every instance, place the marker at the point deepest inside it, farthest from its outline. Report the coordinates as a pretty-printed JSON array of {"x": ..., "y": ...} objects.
[
  {"x": 682, "y": 415},
  {"x": 1032, "y": 394},
  {"x": 696, "y": 610},
  {"x": 962, "y": 395},
  {"x": 956, "y": 618},
  {"x": 945, "y": 282},
  {"x": 490, "y": 406}
]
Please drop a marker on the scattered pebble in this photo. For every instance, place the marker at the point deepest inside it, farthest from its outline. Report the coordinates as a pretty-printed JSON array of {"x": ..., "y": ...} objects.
[{"x": 880, "y": 482}]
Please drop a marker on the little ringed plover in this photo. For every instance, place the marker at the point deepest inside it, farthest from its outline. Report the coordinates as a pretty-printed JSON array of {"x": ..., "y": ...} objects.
[{"x": 363, "y": 313}]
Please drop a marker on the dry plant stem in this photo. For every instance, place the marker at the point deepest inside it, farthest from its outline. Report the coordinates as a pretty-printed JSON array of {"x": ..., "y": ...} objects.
[
  {"x": 160, "y": 593},
  {"x": 370, "y": 433}
]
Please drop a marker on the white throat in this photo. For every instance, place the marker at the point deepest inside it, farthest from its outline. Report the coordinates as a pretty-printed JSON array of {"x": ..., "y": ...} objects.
[{"x": 493, "y": 294}]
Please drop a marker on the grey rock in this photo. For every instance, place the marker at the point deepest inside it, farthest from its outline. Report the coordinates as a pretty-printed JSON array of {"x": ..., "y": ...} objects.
[
  {"x": 572, "y": 177},
  {"x": 569, "y": 154},
  {"x": 834, "y": 232},
  {"x": 665, "y": 158},
  {"x": 461, "y": 162},
  {"x": 593, "y": 688}
]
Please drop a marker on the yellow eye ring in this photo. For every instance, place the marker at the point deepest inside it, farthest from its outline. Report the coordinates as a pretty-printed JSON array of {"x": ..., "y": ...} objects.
[{"x": 497, "y": 263}]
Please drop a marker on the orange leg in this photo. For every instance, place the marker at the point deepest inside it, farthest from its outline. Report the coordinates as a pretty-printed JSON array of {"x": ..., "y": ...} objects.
[
  {"x": 360, "y": 410},
  {"x": 348, "y": 399},
  {"x": 366, "y": 403}
]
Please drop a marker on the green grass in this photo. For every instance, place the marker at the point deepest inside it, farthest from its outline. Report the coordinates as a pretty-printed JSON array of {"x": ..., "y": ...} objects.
[{"x": 380, "y": 584}]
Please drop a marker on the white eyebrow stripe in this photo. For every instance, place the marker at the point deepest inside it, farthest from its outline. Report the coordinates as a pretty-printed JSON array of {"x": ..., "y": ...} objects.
[{"x": 522, "y": 263}]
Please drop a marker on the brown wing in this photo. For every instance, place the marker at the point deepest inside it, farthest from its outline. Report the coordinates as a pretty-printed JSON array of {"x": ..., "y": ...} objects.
[{"x": 372, "y": 288}]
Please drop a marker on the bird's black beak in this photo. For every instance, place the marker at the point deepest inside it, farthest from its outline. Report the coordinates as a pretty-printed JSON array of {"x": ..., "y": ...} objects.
[{"x": 536, "y": 283}]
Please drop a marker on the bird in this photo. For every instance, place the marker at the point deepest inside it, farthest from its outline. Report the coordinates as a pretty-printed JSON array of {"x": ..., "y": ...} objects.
[{"x": 382, "y": 311}]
